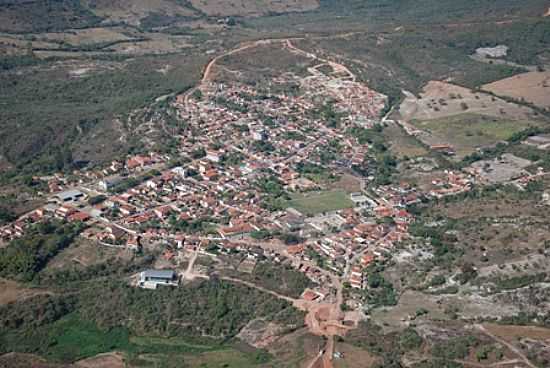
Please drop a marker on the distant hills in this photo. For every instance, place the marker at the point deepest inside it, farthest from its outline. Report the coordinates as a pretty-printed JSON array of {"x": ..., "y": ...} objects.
[{"x": 44, "y": 15}]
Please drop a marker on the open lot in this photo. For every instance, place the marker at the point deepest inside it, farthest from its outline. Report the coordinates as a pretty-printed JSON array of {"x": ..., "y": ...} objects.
[
  {"x": 532, "y": 87},
  {"x": 314, "y": 203},
  {"x": 502, "y": 169}
]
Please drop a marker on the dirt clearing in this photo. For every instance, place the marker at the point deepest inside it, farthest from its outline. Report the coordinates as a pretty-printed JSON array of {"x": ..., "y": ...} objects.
[
  {"x": 84, "y": 253},
  {"x": 11, "y": 291},
  {"x": 440, "y": 100},
  {"x": 353, "y": 357},
  {"x": 107, "y": 360},
  {"x": 252, "y": 8},
  {"x": 511, "y": 333},
  {"x": 532, "y": 87}
]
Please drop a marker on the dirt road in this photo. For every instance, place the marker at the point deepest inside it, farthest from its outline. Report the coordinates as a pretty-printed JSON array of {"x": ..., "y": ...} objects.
[
  {"x": 207, "y": 73},
  {"x": 507, "y": 344}
]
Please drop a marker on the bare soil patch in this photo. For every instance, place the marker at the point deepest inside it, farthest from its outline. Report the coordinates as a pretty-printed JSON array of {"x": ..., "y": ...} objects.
[
  {"x": 20, "y": 360},
  {"x": 402, "y": 144},
  {"x": 252, "y": 8},
  {"x": 132, "y": 11},
  {"x": 84, "y": 253},
  {"x": 85, "y": 36},
  {"x": 441, "y": 99},
  {"x": 353, "y": 357},
  {"x": 11, "y": 291},
  {"x": 260, "y": 333},
  {"x": 396, "y": 318},
  {"x": 107, "y": 360},
  {"x": 532, "y": 87},
  {"x": 347, "y": 183}
]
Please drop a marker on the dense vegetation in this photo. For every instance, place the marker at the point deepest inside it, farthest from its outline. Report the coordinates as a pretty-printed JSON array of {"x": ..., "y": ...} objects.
[
  {"x": 389, "y": 347},
  {"x": 94, "y": 309},
  {"x": 380, "y": 291},
  {"x": 23, "y": 258},
  {"x": 44, "y": 16},
  {"x": 115, "y": 311},
  {"x": 285, "y": 280},
  {"x": 48, "y": 111}
]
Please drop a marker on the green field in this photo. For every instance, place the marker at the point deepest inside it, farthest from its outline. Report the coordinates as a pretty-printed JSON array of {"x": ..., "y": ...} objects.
[
  {"x": 467, "y": 132},
  {"x": 312, "y": 204},
  {"x": 73, "y": 338}
]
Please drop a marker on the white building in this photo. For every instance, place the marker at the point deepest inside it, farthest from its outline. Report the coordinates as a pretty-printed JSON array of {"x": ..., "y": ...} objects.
[{"x": 150, "y": 279}]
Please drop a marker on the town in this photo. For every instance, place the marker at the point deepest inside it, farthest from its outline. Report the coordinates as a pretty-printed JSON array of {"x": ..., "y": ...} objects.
[{"x": 283, "y": 175}]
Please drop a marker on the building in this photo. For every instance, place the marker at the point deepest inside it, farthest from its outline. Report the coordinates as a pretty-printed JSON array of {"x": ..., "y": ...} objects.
[
  {"x": 445, "y": 149},
  {"x": 539, "y": 141},
  {"x": 259, "y": 135},
  {"x": 70, "y": 196},
  {"x": 150, "y": 279},
  {"x": 108, "y": 183}
]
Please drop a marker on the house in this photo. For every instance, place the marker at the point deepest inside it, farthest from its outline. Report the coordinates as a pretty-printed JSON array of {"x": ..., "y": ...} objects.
[
  {"x": 210, "y": 174},
  {"x": 445, "y": 149},
  {"x": 294, "y": 250},
  {"x": 367, "y": 259},
  {"x": 163, "y": 212},
  {"x": 108, "y": 183},
  {"x": 180, "y": 171},
  {"x": 113, "y": 233},
  {"x": 138, "y": 161},
  {"x": 127, "y": 210},
  {"x": 150, "y": 279},
  {"x": 214, "y": 156},
  {"x": 259, "y": 135},
  {"x": 539, "y": 141},
  {"x": 232, "y": 231},
  {"x": 133, "y": 242},
  {"x": 292, "y": 220},
  {"x": 64, "y": 211},
  {"x": 310, "y": 295},
  {"x": 79, "y": 216}
]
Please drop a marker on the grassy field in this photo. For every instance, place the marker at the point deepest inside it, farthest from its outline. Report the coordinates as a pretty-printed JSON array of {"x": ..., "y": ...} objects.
[
  {"x": 402, "y": 144},
  {"x": 467, "y": 132},
  {"x": 315, "y": 203}
]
